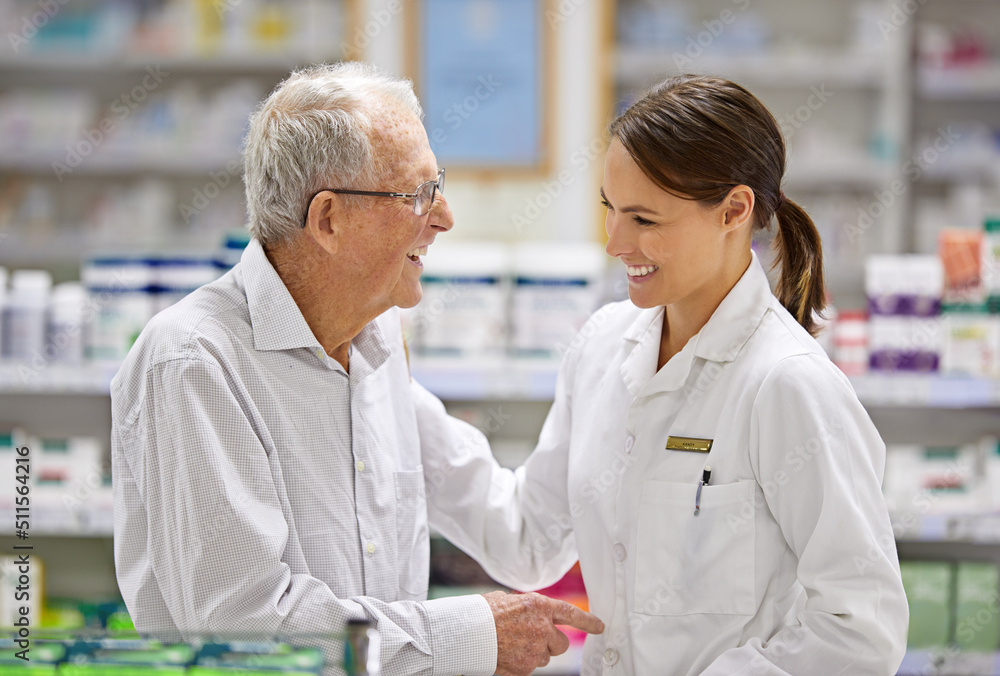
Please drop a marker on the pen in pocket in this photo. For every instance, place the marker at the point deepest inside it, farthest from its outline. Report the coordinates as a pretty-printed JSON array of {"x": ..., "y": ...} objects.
[{"x": 706, "y": 474}]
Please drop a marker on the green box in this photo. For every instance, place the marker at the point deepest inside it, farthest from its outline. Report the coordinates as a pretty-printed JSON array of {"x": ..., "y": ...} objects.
[
  {"x": 977, "y": 606},
  {"x": 928, "y": 586}
]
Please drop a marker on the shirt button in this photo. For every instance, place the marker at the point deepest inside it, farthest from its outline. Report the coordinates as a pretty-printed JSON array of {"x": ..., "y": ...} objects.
[
  {"x": 371, "y": 547},
  {"x": 619, "y": 551},
  {"x": 360, "y": 465},
  {"x": 629, "y": 443},
  {"x": 610, "y": 657}
]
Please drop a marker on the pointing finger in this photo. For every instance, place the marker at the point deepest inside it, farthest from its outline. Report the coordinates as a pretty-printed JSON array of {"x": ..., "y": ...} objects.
[{"x": 568, "y": 614}]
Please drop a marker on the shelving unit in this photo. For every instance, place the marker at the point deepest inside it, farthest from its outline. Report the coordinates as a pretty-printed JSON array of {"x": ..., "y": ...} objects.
[
  {"x": 882, "y": 103},
  {"x": 800, "y": 69}
]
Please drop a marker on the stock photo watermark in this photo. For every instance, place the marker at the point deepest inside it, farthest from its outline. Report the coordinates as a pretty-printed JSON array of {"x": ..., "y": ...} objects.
[
  {"x": 793, "y": 121},
  {"x": 563, "y": 11},
  {"x": 899, "y": 14},
  {"x": 30, "y": 25},
  {"x": 459, "y": 112},
  {"x": 203, "y": 196},
  {"x": 580, "y": 160},
  {"x": 697, "y": 44},
  {"x": 912, "y": 170},
  {"x": 378, "y": 21},
  {"x": 120, "y": 108}
]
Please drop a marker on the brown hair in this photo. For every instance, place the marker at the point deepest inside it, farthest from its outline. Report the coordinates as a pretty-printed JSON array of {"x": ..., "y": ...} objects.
[{"x": 698, "y": 137}]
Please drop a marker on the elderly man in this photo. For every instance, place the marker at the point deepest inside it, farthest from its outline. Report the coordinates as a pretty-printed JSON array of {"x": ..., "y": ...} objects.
[{"x": 268, "y": 469}]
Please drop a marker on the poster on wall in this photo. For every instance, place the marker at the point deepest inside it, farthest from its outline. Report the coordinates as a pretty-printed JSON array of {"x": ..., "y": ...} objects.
[{"x": 481, "y": 74}]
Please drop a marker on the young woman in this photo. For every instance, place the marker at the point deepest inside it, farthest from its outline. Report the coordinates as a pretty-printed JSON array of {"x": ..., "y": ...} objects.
[{"x": 710, "y": 467}]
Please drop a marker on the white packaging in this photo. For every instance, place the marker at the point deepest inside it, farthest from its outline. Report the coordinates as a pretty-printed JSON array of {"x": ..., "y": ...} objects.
[
  {"x": 850, "y": 342},
  {"x": 904, "y": 343},
  {"x": 951, "y": 479},
  {"x": 66, "y": 319},
  {"x": 66, "y": 473},
  {"x": 904, "y": 284},
  {"x": 177, "y": 276},
  {"x": 24, "y": 314},
  {"x": 971, "y": 339},
  {"x": 556, "y": 288},
  {"x": 464, "y": 296},
  {"x": 121, "y": 294}
]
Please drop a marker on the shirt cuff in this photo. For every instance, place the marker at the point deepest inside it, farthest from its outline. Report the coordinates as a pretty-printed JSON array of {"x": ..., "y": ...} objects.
[{"x": 463, "y": 635}]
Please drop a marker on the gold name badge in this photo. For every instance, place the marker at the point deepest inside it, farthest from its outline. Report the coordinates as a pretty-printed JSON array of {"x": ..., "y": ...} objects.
[{"x": 689, "y": 444}]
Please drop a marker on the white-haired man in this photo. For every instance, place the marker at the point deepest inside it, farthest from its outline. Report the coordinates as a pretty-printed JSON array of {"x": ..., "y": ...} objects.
[{"x": 268, "y": 469}]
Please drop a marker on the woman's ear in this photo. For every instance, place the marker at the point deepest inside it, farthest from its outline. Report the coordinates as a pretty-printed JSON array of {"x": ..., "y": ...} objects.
[
  {"x": 737, "y": 208},
  {"x": 325, "y": 220}
]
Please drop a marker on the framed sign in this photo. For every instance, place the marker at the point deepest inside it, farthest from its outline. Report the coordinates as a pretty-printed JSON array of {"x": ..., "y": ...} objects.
[{"x": 482, "y": 69}]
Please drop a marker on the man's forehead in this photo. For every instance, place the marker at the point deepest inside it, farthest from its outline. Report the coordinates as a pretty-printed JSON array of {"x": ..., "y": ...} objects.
[
  {"x": 399, "y": 139},
  {"x": 395, "y": 127}
]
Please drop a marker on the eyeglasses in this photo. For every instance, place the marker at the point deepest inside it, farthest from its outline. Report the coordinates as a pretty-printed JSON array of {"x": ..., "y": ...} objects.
[{"x": 423, "y": 196}]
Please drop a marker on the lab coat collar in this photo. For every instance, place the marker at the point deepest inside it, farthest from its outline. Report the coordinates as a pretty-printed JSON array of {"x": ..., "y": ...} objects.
[
  {"x": 721, "y": 339},
  {"x": 737, "y": 317},
  {"x": 276, "y": 320}
]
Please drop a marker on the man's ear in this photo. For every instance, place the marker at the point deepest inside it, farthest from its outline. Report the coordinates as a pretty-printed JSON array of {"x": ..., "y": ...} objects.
[
  {"x": 737, "y": 208},
  {"x": 325, "y": 220}
]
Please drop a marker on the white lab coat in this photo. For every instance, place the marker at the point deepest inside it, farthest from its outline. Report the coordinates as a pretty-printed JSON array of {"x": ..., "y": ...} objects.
[{"x": 789, "y": 568}]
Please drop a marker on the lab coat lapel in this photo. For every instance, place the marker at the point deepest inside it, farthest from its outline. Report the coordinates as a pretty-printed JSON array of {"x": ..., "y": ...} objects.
[{"x": 642, "y": 345}]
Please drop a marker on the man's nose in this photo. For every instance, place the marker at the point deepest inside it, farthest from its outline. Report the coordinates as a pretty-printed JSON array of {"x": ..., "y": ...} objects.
[{"x": 441, "y": 217}]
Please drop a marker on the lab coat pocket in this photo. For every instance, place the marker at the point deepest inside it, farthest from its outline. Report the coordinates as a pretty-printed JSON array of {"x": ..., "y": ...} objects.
[
  {"x": 687, "y": 564},
  {"x": 412, "y": 538}
]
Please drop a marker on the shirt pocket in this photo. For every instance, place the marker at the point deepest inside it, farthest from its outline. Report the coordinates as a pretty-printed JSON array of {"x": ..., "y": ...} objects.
[
  {"x": 687, "y": 564},
  {"x": 412, "y": 537}
]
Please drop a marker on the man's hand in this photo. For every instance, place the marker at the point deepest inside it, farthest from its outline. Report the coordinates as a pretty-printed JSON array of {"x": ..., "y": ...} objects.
[{"x": 526, "y": 629}]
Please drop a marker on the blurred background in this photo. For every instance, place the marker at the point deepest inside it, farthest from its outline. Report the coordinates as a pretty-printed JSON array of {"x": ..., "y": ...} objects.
[{"x": 121, "y": 123}]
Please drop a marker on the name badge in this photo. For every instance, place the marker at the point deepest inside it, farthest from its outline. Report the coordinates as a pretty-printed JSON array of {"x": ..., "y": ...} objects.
[{"x": 689, "y": 444}]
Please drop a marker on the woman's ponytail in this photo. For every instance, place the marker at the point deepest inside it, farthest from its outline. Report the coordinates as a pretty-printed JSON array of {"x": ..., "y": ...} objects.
[{"x": 799, "y": 250}]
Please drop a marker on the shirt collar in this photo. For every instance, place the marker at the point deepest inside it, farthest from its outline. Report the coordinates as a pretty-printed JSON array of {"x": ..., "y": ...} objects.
[
  {"x": 278, "y": 324},
  {"x": 276, "y": 320}
]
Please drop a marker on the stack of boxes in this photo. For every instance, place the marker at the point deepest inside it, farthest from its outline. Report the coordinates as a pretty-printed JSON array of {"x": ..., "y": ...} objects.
[{"x": 929, "y": 314}]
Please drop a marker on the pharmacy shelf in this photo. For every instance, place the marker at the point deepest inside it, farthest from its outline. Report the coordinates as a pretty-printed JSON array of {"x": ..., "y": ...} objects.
[
  {"x": 41, "y": 377},
  {"x": 487, "y": 378},
  {"x": 860, "y": 173},
  {"x": 979, "y": 529},
  {"x": 642, "y": 66},
  {"x": 986, "y": 166},
  {"x": 72, "y": 244},
  {"x": 492, "y": 378},
  {"x": 532, "y": 380},
  {"x": 115, "y": 63},
  {"x": 973, "y": 82},
  {"x": 188, "y": 164},
  {"x": 74, "y": 510},
  {"x": 926, "y": 391}
]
